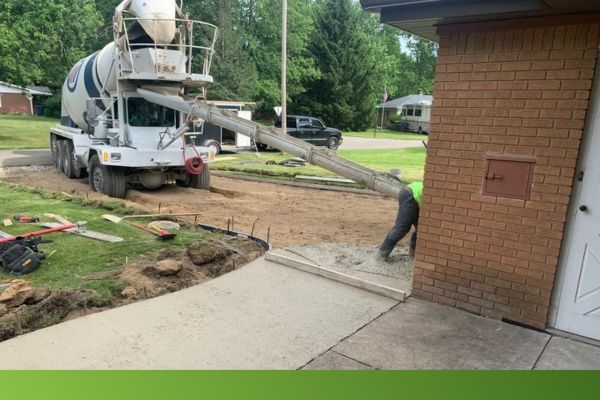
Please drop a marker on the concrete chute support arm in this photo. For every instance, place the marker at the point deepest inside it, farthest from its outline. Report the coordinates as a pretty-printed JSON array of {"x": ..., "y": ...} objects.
[{"x": 382, "y": 183}]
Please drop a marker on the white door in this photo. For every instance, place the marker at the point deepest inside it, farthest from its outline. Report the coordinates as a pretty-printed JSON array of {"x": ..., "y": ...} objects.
[{"x": 579, "y": 303}]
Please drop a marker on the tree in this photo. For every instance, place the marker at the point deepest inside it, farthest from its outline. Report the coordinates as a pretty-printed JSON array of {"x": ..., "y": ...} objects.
[
  {"x": 263, "y": 26},
  {"x": 39, "y": 44},
  {"x": 344, "y": 95},
  {"x": 233, "y": 69}
]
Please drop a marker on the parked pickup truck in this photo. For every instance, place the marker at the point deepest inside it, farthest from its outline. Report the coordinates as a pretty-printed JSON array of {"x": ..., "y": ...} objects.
[{"x": 313, "y": 131}]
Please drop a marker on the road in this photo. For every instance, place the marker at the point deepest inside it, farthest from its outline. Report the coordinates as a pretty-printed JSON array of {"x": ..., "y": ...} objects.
[{"x": 24, "y": 158}]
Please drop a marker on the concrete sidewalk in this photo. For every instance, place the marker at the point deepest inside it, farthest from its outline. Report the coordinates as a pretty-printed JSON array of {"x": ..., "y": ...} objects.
[
  {"x": 25, "y": 158},
  {"x": 266, "y": 316},
  {"x": 422, "y": 335},
  {"x": 262, "y": 316}
]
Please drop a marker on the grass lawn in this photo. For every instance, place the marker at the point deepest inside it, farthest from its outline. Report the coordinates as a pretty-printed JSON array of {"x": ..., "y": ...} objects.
[
  {"x": 25, "y": 132},
  {"x": 410, "y": 161},
  {"x": 76, "y": 256}
]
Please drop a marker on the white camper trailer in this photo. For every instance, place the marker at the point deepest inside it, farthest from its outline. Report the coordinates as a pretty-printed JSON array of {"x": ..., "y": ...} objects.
[{"x": 416, "y": 116}]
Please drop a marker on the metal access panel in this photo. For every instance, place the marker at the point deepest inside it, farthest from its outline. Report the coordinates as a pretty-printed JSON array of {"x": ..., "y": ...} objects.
[{"x": 509, "y": 177}]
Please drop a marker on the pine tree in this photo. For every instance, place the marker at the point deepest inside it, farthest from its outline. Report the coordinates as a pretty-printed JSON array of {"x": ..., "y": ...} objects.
[{"x": 345, "y": 94}]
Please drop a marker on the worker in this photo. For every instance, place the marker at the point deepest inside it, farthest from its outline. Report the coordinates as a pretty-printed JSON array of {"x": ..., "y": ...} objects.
[{"x": 409, "y": 203}]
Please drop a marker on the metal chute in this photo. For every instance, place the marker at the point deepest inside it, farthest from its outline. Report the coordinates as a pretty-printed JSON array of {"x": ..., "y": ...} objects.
[{"x": 380, "y": 182}]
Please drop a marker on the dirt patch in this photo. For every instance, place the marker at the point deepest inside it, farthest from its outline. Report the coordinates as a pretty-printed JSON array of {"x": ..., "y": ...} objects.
[
  {"x": 42, "y": 312},
  {"x": 25, "y": 308},
  {"x": 294, "y": 215}
]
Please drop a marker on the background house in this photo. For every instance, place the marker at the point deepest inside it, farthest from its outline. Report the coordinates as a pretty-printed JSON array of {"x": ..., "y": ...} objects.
[
  {"x": 19, "y": 100},
  {"x": 511, "y": 207},
  {"x": 395, "y": 107}
]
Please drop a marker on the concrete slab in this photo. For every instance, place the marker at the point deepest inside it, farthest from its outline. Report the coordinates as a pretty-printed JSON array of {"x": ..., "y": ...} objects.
[
  {"x": 423, "y": 335},
  {"x": 567, "y": 354},
  {"x": 25, "y": 158},
  {"x": 263, "y": 316},
  {"x": 332, "y": 361},
  {"x": 359, "y": 262},
  {"x": 354, "y": 143}
]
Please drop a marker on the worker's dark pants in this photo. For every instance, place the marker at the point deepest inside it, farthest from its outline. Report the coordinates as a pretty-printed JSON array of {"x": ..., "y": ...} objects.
[{"x": 408, "y": 215}]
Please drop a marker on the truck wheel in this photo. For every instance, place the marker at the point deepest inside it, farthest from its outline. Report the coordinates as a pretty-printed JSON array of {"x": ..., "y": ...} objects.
[
  {"x": 54, "y": 150},
  {"x": 214, "y": 146},
  {"x": 107, "y": 180},
  {"x": 201, "y": 181},
  {"x": 69, "y": 164},
  {"x": 332, "y": 143},
  {"x": 73, "y": 166},
  {"x": 60, "y": 159}
]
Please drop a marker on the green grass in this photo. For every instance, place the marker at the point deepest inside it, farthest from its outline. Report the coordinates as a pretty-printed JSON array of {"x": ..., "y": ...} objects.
[
  {"x": 24, "y": 132},
  {"x": 410, "y": 161},
  {"x": 76, "y": 256},
  {"x": 387, "y": 134}
]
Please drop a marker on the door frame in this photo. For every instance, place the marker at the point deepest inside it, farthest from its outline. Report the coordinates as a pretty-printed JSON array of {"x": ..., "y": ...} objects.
[{"x": 584, "y": 153}]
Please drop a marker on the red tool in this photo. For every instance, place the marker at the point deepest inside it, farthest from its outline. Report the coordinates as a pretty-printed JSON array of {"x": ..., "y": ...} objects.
[
  {"x": 160, "y": 234},
  {"x": 26, "y": 219},
  {"x": 38, "y": 233}
]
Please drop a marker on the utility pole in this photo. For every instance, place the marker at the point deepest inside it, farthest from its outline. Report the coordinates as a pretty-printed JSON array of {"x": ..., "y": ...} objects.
[{"x": 284, "y": 15}]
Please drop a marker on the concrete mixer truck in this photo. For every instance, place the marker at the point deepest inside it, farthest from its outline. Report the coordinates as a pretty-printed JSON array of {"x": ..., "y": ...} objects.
[
  {"x": 126, "y": 109},
  {"x": 108, "y": 131}
]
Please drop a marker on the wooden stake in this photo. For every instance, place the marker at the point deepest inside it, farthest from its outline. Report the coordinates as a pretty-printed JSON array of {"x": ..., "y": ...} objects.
[
  {"x": 269, "y": 235},
  {"x": 18, "y": 326},
  {"x": 253, "y": 226}
]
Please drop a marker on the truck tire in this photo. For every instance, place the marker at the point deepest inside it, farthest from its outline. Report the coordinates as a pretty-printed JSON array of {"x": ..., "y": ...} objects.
[
  {"x": 77, "y": 171},
  {"x": 60, "y": 159},
  {"x": 200, "y": 181},
  {"x": 54, "y": 149},
  {"x": 333, "y": 143},
  {"x": 69, "y": 164},
  {"x": 214, "y": 146},
  {"x": 107, "y": 180}
]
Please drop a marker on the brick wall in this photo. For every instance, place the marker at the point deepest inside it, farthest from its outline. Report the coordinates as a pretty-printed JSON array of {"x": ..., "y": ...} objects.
[
  {"x": 519, "y": 92},
  {"x": 14, "y": 103}
]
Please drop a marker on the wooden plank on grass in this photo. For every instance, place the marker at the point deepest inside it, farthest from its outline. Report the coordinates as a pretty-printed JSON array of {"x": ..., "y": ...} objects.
[{"x": 376, "y": 288}]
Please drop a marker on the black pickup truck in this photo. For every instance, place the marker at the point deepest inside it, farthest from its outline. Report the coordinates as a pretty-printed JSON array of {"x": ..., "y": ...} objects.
[{"x": 313, "y": 131}]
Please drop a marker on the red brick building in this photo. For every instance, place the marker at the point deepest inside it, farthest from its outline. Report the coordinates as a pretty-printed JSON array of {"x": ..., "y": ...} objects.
[
  {"x": 510, "y": 221},
  {"x": 18, "y": 100}
]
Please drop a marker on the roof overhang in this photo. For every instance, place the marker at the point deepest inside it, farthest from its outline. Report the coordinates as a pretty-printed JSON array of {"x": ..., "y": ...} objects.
[{"x": 422, "y": 17}]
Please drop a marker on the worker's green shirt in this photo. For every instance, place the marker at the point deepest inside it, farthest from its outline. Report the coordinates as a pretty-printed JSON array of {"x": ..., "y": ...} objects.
[{"x": 417, "y": 191}]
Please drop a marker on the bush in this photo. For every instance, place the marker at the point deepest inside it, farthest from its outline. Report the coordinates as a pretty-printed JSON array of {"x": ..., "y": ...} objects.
[
  {"x": 394, "y": 119},
  {"x": 52, "y": 106}
]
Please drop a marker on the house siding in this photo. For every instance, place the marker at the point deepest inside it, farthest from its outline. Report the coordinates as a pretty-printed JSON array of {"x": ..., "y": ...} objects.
[
  {"x": 521, "y": 92},
  {"x": 14, "y": 103}
]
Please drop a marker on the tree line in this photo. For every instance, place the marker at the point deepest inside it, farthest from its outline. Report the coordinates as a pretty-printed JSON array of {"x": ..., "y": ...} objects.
[{"x": 340, "y": 60}]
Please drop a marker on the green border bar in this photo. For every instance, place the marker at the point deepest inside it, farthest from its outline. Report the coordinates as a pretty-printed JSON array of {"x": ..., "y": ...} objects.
[{"x": 298, "y": 385}]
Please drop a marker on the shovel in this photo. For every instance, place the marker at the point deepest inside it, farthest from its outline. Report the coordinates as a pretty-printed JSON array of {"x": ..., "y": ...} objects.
[
  {"x": 118, "y": 220},
  {"x": 160, "y": 234}
]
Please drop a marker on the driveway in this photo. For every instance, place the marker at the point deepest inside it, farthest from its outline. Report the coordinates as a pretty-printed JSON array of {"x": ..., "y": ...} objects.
[
  {"x": 25, "y": 158},
  {"x": 354, "y": 143}
]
